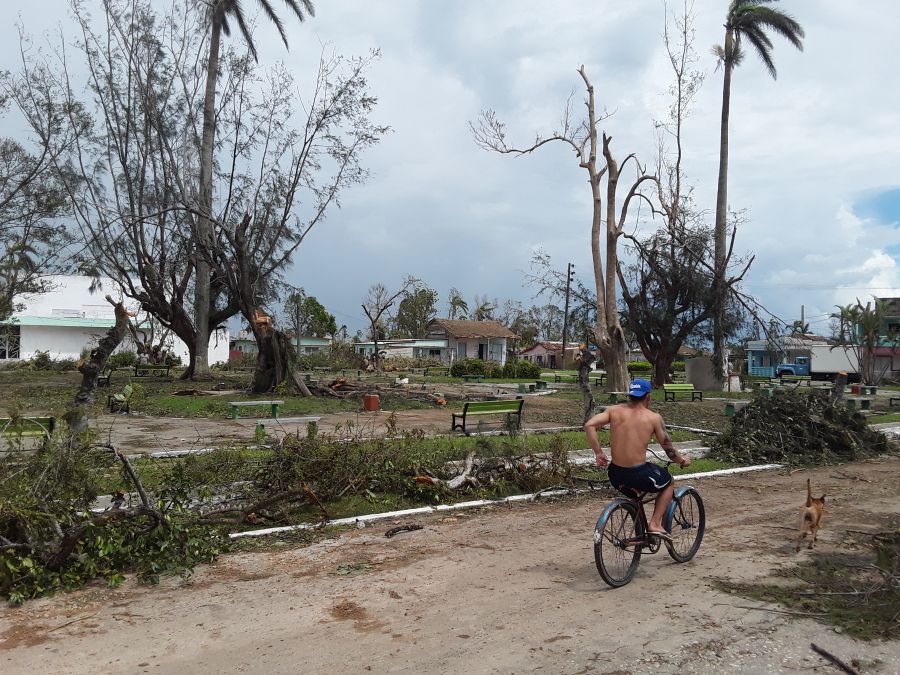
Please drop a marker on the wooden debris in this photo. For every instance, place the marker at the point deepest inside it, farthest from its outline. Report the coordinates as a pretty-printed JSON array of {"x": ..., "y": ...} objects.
[{"x": 410, "y": 527}]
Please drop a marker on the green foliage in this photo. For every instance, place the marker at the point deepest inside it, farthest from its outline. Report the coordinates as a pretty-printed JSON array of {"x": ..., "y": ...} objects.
[
  {"x": 678, "y": 366},
  {"x": 521, "y": 369},
  {"x": 307, "y": 316},
  {"x": 41, "y": 360},
  {"x": 122, "y": 360},
  {"x": 415, "y": 311},
  {"x": 467, "y": 367},
  {"x": 639, "y": 367}
]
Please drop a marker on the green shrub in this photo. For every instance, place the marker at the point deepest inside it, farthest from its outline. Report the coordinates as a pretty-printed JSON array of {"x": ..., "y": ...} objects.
[
  {"x": 41, "y": 361},
  {"x": 493, "y": 369},
  {"x": 521, "y": 369},
  {"x": 678, "y": 366},
  {"x": 639, "y": 367},
  {"x": 467, "y": 367},
  {"x": 122, "y": 360}
]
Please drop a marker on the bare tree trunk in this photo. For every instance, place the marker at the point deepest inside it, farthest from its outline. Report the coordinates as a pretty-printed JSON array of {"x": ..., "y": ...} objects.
[
  {"x": 721, "y": 216},
  {"x": 837, "y": 390},
  {"x": 204, "y": 221},
  {"x": 662, "y": 367},
  {"x": 584, "y": 359},
  {"x": 91, "y": 369}
]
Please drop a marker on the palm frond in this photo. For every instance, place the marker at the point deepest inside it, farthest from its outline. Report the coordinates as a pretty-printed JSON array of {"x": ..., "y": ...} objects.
[
  {"x": 763, "y": 47},
  {"x": 778, "y": 22},
  {"x": 300, "y": 6},
  {"x": 245, "y": 29},
  {"x": 269, "y": 11}
]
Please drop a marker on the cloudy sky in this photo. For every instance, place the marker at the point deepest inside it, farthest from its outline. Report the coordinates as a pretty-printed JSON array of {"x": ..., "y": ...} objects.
[{"x": 814, "y": 155}]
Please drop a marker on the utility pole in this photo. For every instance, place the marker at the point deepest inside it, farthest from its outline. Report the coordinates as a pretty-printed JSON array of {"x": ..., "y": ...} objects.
[{"x": 570, "y": 272}]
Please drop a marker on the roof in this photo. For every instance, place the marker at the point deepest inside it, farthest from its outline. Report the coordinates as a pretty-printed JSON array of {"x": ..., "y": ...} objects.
[
  {"x": 62, "y": 321},
  {"x": 552, "y": 346},
  {"x": 473, "y": 329}
]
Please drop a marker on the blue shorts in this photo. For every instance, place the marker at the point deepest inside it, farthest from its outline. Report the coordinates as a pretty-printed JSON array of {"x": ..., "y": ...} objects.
[{"x": 645, "y": 477}]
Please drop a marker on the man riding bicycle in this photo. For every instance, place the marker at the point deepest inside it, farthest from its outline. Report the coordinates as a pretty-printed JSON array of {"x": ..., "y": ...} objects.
[{"x": 631, "y": 426}]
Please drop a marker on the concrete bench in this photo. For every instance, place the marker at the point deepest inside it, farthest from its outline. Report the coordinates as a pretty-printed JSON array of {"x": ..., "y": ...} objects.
[
  {"x": 437, "y": 370},
  {"x": 858, "y": 402},
  {"x": 27, "y": 427},
  {"x": 512, "y": 409},
  {"x": 733, "y": 407},
  {"x": 670, "y": 390},
  {"x": 237, "y": 405},
  {"x": 104, "y": 379}
]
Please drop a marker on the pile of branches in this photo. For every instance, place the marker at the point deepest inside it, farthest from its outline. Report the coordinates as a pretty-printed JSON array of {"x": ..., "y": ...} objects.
[
  {"x": 799, "y": 428},
  {"x": 50, "y": 538}
]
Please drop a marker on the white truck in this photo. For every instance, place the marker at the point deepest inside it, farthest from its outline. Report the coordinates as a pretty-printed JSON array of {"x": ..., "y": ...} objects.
[{"x": 823, "y": 363}]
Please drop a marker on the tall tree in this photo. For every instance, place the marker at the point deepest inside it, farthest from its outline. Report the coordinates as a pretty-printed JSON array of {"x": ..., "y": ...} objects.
[
  {"x": 594, "y": 154},
  {"x": 415, "y": 311},
  {"x": 219, "y": 15},
  {"x": 750, "y": 21},
  {"x": 307, "y": 316}
]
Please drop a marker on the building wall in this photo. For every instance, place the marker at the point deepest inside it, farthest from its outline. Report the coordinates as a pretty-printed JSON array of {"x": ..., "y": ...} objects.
[
  {"x": 495, "y": 351},
  {"x": 61, "y": 342}
]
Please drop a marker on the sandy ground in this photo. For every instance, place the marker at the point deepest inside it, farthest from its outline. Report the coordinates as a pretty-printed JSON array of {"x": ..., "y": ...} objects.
[
  {"x": 502, "y": 590},
  {"x": 138, "y": 433}
]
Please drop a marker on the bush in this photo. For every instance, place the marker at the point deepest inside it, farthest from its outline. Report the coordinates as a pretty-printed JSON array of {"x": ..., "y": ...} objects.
[
  {"x": 521, "y": 370},
  {"x": 467, "y": 367},
  {"x": 122, "y": 360},
  {"x": 678, "y": 366},
  {"x": 639, "y": 367},
  {"x": 41, "y": 361}
]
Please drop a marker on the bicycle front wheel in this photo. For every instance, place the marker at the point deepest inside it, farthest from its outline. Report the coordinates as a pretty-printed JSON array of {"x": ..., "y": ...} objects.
[
  {"x": 617, "y": 543},
  {"x": 686, "y": 523}
]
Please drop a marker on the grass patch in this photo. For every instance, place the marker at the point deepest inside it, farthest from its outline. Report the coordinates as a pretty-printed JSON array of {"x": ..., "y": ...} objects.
[
  {"x": 883, "y": 419},
  {"x": 858, "y": 592}
]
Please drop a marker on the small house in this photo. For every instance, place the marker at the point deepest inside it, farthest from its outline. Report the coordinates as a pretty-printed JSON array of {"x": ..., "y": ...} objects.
[
  {"x": 485, "y": 340},
  {"x": 547, "y": 353}
]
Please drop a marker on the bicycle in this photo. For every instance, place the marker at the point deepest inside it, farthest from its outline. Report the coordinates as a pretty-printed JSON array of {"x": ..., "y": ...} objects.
[{"x": 621, "y": 535}]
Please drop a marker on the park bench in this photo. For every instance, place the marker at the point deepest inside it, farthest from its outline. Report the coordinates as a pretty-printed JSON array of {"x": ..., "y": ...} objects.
[
  {"x": 598, "y": 380},
  {"x": 27, "y": 427},
  {"x": 237, "y": 405},
  {"x": 867, "y": 390},
  {"x": 617, "y": 396},
  {"x": 469, "y": 378},
  {"x": 437, "y": 370},
  {"x": 540, "y": 384},
  {"x": 512, "y": 408},
  {"x": 312, "y": 423},
  {"x": 797, "y": 378},
  {"x": 146, "y": 370},
  {"x": 105, "y": 377},
  {"x": 120, "y": 402},
  {"x": 670, "y": 390},
  {"x": 854, "y": 402}
]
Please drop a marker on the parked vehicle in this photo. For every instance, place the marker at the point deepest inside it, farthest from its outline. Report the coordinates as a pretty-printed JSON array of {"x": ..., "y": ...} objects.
[{"x": 822, "y": 364}]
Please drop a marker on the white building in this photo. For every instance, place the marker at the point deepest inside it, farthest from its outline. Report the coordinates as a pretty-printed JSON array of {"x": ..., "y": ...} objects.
[
  {"x": 68, "y": 319},
  {"x": 485, "y": 340}
]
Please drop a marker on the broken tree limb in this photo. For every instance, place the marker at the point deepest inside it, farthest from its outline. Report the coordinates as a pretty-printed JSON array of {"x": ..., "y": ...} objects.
[
  {"x": 410, "y": 527},
  {"x": 833, "y": 659}
]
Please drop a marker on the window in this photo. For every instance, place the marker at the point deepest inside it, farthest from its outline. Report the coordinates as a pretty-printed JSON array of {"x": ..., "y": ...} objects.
[
  {"x": 434, "y": 352},
  {"x": 461, "y": 350},
  {"x": 9, "y": 342}
]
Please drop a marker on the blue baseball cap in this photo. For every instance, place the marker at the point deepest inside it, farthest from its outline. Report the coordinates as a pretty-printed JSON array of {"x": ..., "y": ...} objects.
[{"x": 639, "y": 388}]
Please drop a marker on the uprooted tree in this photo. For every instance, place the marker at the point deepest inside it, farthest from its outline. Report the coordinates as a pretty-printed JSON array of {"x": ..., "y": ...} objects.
[{"x": 595, "y": 156}]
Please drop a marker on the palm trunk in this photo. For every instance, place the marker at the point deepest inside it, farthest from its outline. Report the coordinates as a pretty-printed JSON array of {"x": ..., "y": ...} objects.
[
  {"x": 204, "y": 222},
  {"x": 721, "y": 233}
]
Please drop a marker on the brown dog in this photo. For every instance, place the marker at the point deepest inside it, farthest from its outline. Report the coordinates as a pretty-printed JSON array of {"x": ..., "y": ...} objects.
[{"x": 811, "y": 517}]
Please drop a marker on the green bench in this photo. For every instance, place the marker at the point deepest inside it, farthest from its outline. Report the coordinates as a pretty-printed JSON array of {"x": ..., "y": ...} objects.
[
  {"x": 540, "y": 384},
  {"x": 797, "y": 378},
  {"x": 104, "y": 379},
  {"x": 617, "y": 396},
  {"x": 733, "y": 407},
  {"x": 437, "y": 370},
  {"x": 670, "y": 390},
  {"x": 120, "y": 402},
  {"x": 469, "y": 378},
  {"x": 27, "y": 427},
  {"x": 237, "y": 405},
  {"x": 146, "y": 370},
  {"x": 512, "y": 409}
]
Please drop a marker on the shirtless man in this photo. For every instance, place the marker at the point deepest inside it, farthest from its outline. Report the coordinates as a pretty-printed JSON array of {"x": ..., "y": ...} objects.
[{"x": 631, "y": 426}]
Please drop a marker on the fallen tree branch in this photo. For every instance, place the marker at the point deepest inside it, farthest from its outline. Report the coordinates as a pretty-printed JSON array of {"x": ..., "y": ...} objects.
[
  {"x": 833, "y": 659},
  {"x": 411, "y": 527}
]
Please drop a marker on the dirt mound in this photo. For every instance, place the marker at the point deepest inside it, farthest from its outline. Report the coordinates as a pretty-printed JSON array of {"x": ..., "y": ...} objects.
[{"x": 799, "y": 428}]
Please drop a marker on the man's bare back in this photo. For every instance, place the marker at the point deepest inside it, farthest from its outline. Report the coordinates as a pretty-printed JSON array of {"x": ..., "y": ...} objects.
[{"x": 630, "y": 430}]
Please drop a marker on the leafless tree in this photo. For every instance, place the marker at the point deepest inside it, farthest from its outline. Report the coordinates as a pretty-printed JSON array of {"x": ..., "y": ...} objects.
[
  {"x": 595, "y": 156},
  {"x": 377, "y": 302}
]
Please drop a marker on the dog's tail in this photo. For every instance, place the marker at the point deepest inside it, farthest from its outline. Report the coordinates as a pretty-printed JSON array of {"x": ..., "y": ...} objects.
[{"x": 808, "y": 493}]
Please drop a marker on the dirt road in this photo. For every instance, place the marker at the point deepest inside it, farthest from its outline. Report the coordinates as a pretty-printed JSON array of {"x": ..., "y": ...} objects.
[{"x": 495, "y": 591}]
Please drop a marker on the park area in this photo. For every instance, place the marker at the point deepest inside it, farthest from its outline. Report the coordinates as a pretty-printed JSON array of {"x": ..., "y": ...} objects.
[{"x": 326, "y": 588}]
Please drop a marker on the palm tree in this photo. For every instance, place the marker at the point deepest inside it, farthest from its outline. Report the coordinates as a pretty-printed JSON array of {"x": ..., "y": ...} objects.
[
  {"x": 219, "y": 15},
  {"x": 748, "y": 20},
  {"x": 458, "y": 305}
]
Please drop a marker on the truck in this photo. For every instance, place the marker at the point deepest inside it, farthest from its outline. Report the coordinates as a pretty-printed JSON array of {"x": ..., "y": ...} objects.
[{"x": 823, "y": 363}]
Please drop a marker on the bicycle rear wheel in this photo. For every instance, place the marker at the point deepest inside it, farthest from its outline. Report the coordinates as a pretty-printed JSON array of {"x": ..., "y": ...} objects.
[
  {"x": 686, "y": 522},
  {"x": 617, "y": 543}
]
